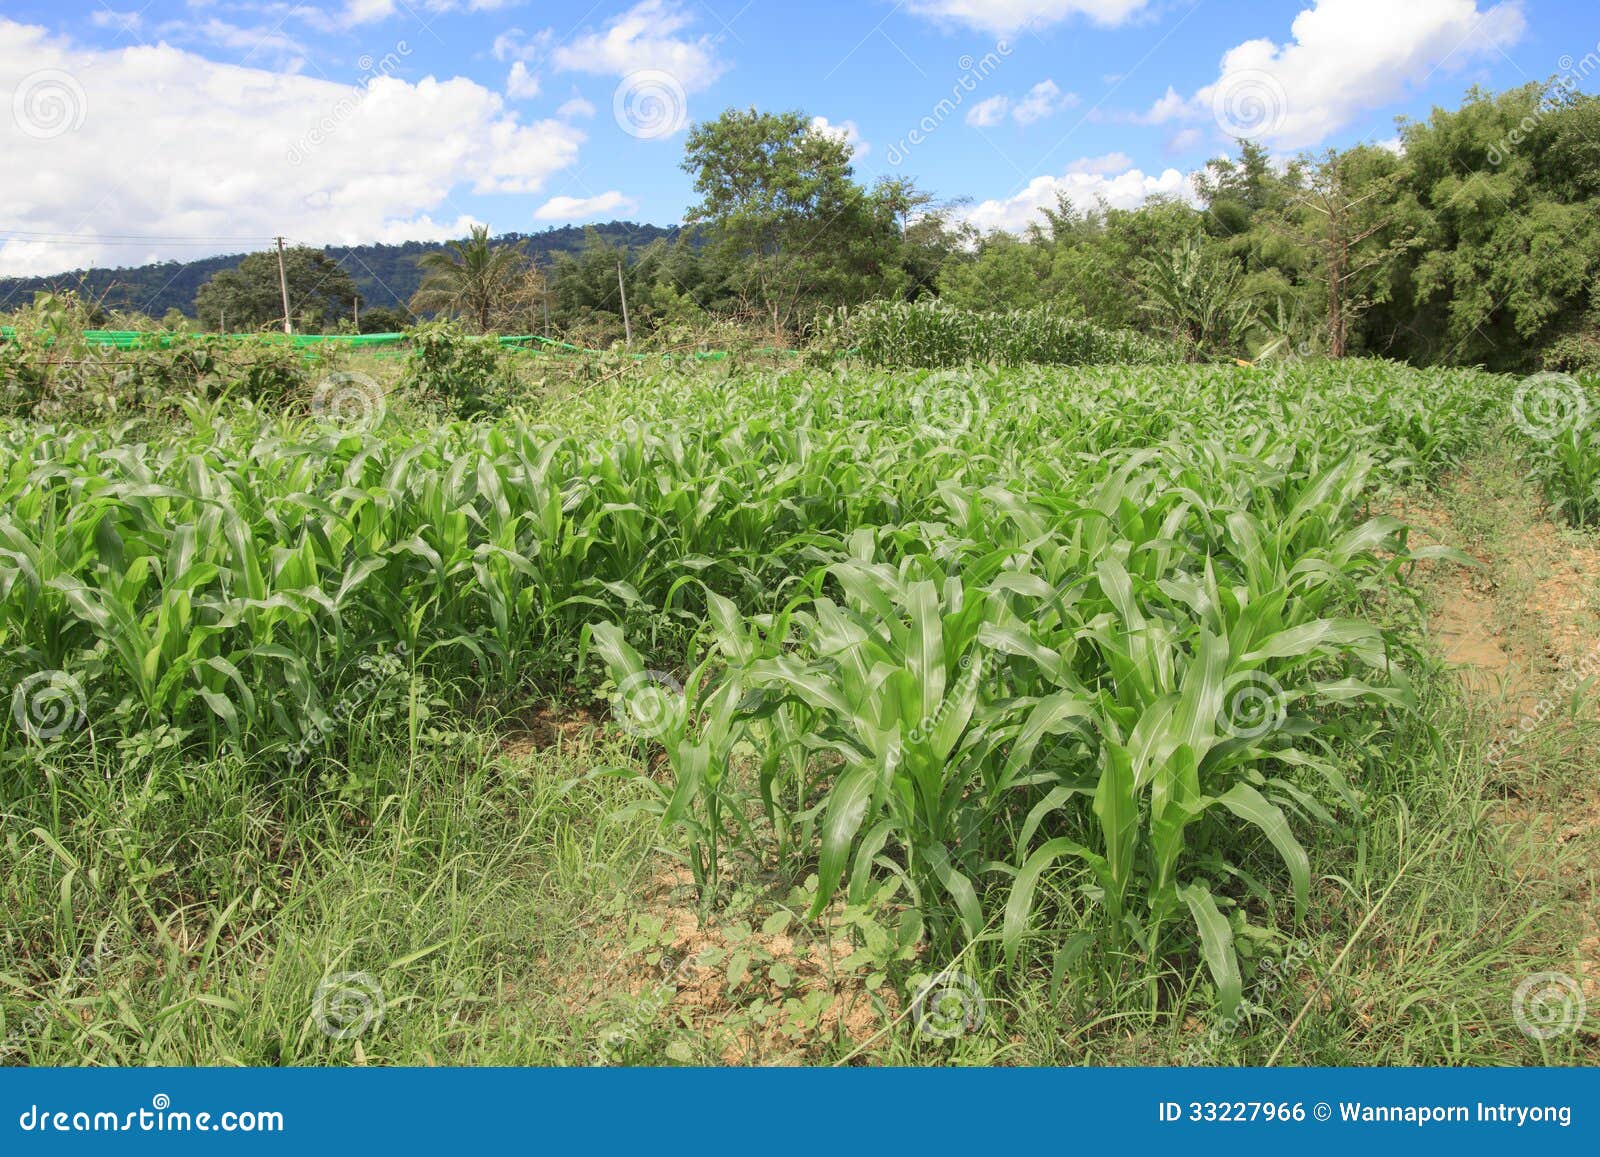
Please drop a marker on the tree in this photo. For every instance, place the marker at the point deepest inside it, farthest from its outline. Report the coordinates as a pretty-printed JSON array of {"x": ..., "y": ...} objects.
[
  {"x": 477, "y": 281},
  {"x": 1351, "y": 220},
  {"x": 249, "y": 297},
  {"x": 796, "y": 229}
]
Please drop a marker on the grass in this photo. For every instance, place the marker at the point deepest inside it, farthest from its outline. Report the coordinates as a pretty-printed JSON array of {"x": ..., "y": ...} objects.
[{"x": 500, "y": 904}]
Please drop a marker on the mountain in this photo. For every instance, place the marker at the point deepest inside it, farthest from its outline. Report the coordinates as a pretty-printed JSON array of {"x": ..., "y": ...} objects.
[{"x": 386, "y": 275}]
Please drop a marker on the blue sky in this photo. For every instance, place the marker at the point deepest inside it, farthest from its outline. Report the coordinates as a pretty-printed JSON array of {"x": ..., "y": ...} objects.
[{"x": 180, "y": 128}]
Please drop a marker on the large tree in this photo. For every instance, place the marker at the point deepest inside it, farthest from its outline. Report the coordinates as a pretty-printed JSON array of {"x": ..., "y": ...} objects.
[
  {"x": 785, "y": 212},
  {"x": 249, "y": 296}
]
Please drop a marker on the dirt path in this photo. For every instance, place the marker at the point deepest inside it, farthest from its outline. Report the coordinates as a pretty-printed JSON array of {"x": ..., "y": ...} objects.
[{"x": 1522, "y": 630}]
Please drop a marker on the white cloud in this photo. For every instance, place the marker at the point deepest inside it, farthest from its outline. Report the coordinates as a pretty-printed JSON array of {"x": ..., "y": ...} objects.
[
  {"x": 1109, "y": 163},
  {"x": 1086, "y": 184},
  {"x": 1345, "y": 58},
  {"x": 585, "y": 208},
  {"x": 1004, "y": 16},
  {"x": 121, "y": 21},
  {"x": 645, "y": 37},
  {"x": 373, "y": 161},
  {"x": 575, "y": 108},
  {"x": 520, "y": 83},
  {"x": 845, "y": 131},
  {"x": 1044, "y": 99},
  {"x": 515, "y": 44},
  {"x": 990, "y": 112}
]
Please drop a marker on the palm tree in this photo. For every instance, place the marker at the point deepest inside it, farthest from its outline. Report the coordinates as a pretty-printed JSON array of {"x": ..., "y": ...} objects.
[{"x": 470, "y": 278}]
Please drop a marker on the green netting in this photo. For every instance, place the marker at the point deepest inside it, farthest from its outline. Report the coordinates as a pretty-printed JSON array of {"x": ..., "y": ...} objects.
[{"x": 376, "y": 342}]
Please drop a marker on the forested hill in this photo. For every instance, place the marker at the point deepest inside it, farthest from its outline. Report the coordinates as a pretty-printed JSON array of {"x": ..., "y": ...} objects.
[{"x": 386, "y": 275}]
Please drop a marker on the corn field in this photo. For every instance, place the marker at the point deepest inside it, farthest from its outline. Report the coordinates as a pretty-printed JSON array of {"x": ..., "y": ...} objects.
[{"x": 1024, "y": 645}]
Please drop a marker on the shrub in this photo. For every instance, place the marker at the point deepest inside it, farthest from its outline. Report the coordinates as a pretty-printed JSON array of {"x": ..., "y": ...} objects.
[{"x": 468, "y": 374}]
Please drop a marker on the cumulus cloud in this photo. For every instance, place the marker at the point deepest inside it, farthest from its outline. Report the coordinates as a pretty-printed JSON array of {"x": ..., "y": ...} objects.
[
  {"x": 575, "y": 108},
  {"x": 1087, "y": 183},
  {"x": 1044, "y": 99},
  {"x": 987, "y": 113},
  {"x": 646, "y": 36},
  {"x": 1004, "y": 16},
  {"x": 845, "y": 131},
  {"x": 520, "y": 83},
  {"x": 1344, "y": 58},
  {"x": 153, "y": 141},
  {"x": 606, "y": 204}
]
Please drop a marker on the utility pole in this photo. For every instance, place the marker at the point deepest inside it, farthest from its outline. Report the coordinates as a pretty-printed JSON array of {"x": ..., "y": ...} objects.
[
  {"x": 357, "y": 302},
  {"x": 283, "y": 284},
  {"x": 627, "y": 326}
]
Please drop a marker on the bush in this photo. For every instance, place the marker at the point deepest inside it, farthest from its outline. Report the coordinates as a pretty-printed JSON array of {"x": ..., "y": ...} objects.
[
  {"x": 933, "y": 335},
  {"x": 1577, "y": 353},
  {"x": 470, "y": 375}
]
